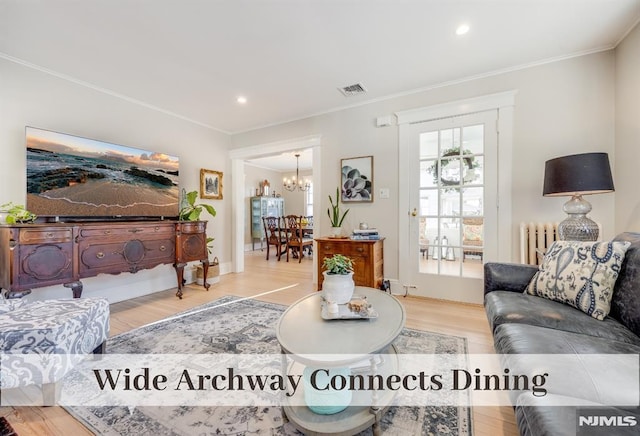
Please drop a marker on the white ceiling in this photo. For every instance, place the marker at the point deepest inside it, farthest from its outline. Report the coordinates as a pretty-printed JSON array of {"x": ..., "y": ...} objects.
[{"x": 193, "y": 58}]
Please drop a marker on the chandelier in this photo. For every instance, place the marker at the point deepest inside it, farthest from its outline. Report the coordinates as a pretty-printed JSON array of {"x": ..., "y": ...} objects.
[{"x": 295, "y": 182}]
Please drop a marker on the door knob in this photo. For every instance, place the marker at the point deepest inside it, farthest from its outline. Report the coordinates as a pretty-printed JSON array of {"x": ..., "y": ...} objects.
[{"x": 414, "y": 212}]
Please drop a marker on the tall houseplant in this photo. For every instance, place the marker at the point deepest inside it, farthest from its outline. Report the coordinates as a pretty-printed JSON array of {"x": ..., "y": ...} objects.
[
  {"x": 335, "y": 216},
  {"x": 190, "y": 211},
  {"x": 338, "y": 284}
]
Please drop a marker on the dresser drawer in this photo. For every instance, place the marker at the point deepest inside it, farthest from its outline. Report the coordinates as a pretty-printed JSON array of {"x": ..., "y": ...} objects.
[
  {"x": 192, "y": 226},
  {"x": 346, "y": 249},
  {"x": 43, "y": 235},
  {"x": 128, "y": 231},
  {"x": 132, "y": 255}
]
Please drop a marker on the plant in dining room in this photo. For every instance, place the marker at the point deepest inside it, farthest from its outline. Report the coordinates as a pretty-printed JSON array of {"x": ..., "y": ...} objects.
[
  {"x": 338, "y": 284},
  {"x": 335, "y": 216}
]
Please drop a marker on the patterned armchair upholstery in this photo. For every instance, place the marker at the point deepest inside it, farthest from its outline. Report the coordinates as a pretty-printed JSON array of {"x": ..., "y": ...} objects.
[
  {"x": 40, "y": 342},
  {"x": 472, "y": 237}
]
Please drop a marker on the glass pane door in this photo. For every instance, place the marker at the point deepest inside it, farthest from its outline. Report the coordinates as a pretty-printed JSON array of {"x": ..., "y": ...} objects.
[
  {"x": 451, "y": 190},
  {"x": 453, "y": 184}
]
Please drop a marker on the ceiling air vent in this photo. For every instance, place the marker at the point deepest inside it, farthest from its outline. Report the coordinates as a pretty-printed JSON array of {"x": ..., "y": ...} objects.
[{"x": 351, "y": 90}]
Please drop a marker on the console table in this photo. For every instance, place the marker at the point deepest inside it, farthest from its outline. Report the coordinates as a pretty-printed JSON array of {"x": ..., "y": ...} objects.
[
  {"x": 367, "y": 255},
  {"x": 37, "y": 255}
]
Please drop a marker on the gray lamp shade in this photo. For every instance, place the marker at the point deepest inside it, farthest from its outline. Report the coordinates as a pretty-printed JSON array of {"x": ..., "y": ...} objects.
[{"x": 587, "y": 173}]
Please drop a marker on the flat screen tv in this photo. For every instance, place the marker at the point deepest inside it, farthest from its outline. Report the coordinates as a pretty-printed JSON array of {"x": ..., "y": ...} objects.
[{"x": 73, "y": 177}]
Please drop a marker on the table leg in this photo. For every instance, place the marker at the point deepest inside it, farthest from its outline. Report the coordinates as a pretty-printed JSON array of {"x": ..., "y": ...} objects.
[
  {"x": 283, "y": 359},
  {"x": 375, "y": 407}
]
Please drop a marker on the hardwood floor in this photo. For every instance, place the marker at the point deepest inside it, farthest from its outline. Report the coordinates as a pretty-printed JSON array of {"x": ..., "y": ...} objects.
[{"x": 463, "y": 320}]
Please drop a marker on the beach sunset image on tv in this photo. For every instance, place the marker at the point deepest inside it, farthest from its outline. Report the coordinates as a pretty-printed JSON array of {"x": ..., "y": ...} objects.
[{"x": 71, "y": 176}]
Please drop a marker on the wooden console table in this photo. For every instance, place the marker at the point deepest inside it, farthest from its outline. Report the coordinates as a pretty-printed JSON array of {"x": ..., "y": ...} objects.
[
  {"x": 368, "y": 259},
  {"x": 37, "y": 255}
]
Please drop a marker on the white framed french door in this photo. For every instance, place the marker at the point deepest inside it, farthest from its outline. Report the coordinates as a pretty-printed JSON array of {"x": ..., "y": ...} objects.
[
  {"x": 454, "y": 195},
  {"x": 453, "y": 204}
]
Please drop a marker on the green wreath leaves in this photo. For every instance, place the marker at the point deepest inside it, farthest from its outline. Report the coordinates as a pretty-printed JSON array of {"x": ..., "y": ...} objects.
[{"x": 437, "y": 169}]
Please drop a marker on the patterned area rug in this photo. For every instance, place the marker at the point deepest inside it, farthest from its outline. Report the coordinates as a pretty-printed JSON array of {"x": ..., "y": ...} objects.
[{"x": 248, "y": 326}]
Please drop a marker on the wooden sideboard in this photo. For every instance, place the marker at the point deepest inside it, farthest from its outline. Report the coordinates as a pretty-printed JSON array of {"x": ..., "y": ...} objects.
[
  {"x": 368, "y": 259},
  {"x": 37, "y": 255}
]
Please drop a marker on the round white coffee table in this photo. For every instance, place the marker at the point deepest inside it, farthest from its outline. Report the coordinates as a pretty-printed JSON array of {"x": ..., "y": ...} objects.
[{"x": 308, "y": 339}]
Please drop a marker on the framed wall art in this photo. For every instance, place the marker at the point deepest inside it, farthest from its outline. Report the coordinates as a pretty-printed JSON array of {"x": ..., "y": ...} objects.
[
  {"x": 357, "y": 179},
  {"x": 210, "y": 184}
]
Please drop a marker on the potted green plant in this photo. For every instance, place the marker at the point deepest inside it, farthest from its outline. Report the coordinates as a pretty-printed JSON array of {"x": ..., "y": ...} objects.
[
  {"x": 338, "y": 284},
  {"x": 335, "y": 216},
  {"x": 190, "y": 211},
  {"x": 16, "y": 213}
]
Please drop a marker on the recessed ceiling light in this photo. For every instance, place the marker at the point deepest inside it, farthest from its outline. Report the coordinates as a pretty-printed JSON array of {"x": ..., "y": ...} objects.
[
  {"x": 462, "y": 29},
  {"x": 241, "y": 99}
]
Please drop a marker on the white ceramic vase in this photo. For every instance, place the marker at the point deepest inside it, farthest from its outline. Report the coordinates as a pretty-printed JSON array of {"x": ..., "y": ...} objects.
[{"x": 338, "y": 288}]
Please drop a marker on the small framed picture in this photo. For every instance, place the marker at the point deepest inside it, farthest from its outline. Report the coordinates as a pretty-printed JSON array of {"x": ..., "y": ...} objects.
[
  {"x": 357, "y": 179},
  {"x": 210, "y": 184}
]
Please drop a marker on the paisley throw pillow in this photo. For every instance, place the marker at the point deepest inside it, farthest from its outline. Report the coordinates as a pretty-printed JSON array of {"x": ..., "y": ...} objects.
[{"x": 581, "y": 274}]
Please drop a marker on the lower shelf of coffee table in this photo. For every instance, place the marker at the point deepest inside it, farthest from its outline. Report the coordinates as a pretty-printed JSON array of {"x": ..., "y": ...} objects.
[{"x": 351, "y": 420}]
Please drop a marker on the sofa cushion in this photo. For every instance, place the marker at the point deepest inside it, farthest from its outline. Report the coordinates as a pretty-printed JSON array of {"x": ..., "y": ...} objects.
[
  {"x": 511, "y": 307},
  {"x": 581, "y": 274},
  {"x": 536, "y": 417},
  {"x": 625, "y": 304},
  {"x": 586, "y": 372},
  {"x": 527, "y": 339}
]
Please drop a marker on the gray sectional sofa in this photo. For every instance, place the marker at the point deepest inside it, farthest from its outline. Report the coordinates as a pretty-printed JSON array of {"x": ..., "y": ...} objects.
[{"x": 527, "y": 324}]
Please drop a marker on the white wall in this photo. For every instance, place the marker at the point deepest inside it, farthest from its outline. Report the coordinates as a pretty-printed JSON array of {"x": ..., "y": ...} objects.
[
  {"x": 561, "y": 108},
  {"x": 628, "y": 133},
  {"x": 34, "y": 98}
]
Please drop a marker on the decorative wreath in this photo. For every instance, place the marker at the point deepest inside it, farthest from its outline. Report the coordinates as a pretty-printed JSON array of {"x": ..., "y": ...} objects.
[{"x": 468, "y": 159}]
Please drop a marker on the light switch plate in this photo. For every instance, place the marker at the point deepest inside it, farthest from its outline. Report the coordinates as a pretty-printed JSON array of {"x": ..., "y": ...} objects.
[{"x": 384, "y": 192}]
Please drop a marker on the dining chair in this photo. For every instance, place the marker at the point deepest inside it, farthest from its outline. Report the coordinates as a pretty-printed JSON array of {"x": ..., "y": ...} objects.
[
  {"x": 274, "y": 235},
  {"x": 296, "y": 240}
]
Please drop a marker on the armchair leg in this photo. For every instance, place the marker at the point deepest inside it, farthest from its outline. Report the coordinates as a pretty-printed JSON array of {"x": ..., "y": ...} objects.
[{"x": 100, "y": 349}]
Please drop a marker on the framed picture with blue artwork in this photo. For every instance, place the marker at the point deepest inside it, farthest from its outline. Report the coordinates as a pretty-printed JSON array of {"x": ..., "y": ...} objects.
[
  {"x": 357, "y": 179},
  {"x": 210, "y": 184}
]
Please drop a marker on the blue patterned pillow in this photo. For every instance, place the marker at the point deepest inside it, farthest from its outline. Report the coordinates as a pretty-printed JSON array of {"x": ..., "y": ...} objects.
[{"x": 581, "y": 274}]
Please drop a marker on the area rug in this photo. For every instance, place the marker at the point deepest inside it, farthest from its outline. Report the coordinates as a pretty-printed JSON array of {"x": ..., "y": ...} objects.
[{"x": 233, "y": 325}]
